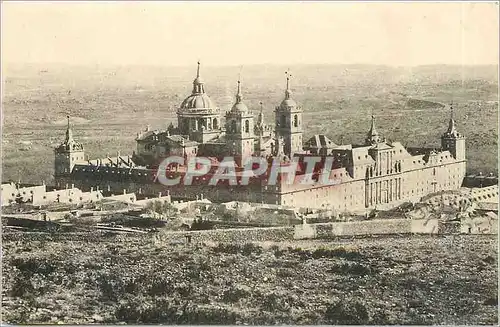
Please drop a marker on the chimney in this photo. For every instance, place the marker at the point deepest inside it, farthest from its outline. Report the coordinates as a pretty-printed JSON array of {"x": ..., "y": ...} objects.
[
  {"x": 124, "y": 191},
  {"x": 66, "y": 186},
  {"x": 97, "y": 188},
  {"x": 72, "y": 185},
  {"x": 201, "y": 196},
  {"x": 91, "y": 189},
  {"x": 109, "y": 188},
  {"x": 140, "y": 190},
  {"x": 159, "y": 195}
]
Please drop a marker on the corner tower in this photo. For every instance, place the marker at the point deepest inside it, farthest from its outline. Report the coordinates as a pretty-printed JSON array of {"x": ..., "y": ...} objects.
[
  {"x": 240, "y": 129},
  {"x": 288, "y": 120},
  {"x": 452, "y": 140},
  {"x": 67, "y": 154}
]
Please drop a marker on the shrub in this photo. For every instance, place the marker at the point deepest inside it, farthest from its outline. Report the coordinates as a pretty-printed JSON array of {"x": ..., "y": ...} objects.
[
  {"x": 21, "y": 286},
  {"x": 339, "y": 252},
  {"x": 34, "y": 265},
  {"x": 234, "y": 294},
  {"x": 278, "y": 252},
  {"x": 303, "y": 254},
  {"x": 250, "y": 248},
  {"x": 246, "y": 249},
  {"x": 352, "y": 268},
  {"x": 346, "y": 313}
]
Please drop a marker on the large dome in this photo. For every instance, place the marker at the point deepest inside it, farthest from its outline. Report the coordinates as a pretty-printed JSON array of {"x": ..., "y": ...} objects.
[
  {"x": 197, "y": 101},
  {"x": 198, "y": 98}
]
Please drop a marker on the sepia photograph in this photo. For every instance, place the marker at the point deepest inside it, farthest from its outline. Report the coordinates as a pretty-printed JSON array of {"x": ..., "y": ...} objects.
[{"x": 249, "y": 163}]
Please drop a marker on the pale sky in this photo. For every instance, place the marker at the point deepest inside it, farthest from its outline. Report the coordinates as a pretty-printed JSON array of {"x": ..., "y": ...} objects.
[{"x": 237, "y": 33}]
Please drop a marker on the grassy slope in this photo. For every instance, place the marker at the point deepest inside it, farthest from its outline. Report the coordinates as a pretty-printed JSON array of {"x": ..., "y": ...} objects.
[
  {"x": 393, "y": 280},
  {"x": 110, "y": 105}
]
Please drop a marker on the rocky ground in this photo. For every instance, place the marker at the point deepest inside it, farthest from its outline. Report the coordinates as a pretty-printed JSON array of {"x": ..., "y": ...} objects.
[{"x": 385, "y": 280}]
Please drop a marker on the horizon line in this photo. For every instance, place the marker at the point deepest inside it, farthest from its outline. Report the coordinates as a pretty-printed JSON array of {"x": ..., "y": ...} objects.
[{"x": 3, "y": 64}]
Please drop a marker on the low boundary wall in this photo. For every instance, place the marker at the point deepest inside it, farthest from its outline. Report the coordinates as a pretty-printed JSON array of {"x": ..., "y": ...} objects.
[
  {"x": 368, "y": 227},
  {"x": 482, "y": 225},
  {"x": 231, "y": 235}
]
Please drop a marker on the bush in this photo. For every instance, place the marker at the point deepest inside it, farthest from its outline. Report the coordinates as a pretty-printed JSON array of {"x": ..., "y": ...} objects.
[
  {"x": 34, "y": 266},
  {"x": 346, "y": 313},
  {"x": 250, "y": 248},
  {"x": 339, "y": 252},
  {"x": 352, "y": 268},
  {"x": 233, "y": 295},
  {"x": 246, "y": 249},
  {"x": 303, "y": 254}
]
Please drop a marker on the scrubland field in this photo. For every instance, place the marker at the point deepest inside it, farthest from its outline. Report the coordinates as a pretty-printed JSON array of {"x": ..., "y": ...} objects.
[
  {"x": 388, "y": 280},
  {"x": 109, "y": 105}
]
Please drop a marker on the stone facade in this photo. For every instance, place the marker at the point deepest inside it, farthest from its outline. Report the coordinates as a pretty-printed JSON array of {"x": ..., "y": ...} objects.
[{"x": 374, "y": 175}]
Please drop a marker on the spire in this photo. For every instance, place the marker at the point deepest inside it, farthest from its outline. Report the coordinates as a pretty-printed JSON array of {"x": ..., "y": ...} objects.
[
  {"x": 288, "y": 92},
  {"x": 373, "y": 136},
  {"x": 260, "y": 117},
  {"x": 451, "y": 125},
  {"x": 373, "y": 130},
  {"x": 239, "y": 96},
  {"x": 198, "y": 82},
  {"x": 69, "y": 132}
]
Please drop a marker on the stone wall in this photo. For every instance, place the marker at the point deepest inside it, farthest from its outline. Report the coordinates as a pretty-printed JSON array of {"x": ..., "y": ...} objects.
[
  {"x": 237, "y": 235},
  {"x": 368, "y": 227}
]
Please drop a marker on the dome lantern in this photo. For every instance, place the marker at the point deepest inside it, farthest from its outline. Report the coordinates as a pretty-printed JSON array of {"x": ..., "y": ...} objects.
[{"x": 198, "y": 99}]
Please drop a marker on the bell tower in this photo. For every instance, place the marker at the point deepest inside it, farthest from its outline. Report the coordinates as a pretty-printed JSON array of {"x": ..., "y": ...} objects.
[
  {"x": 67, "y": 154},
  {"x": 452, "y": 140},
  {"x": 288, "y": 120},
  {"x": 240, "y": 129}
]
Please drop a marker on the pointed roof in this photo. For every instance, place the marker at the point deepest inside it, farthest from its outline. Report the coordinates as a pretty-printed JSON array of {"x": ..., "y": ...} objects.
[
  {"x": 288, "y": 101},
  {"x": 69, "y": 143},
  {"x": 320, "y": 141},
  {"x": 260, "y": 117},
  {"x": 373, "y": 136},
  {"x": 373, "y": 130},
  {"x": 288, "y": 92},
  {"x": 239, "y": 106},
  {"x": 452, "y": 130},
  {"x": 69, "y": 133}
]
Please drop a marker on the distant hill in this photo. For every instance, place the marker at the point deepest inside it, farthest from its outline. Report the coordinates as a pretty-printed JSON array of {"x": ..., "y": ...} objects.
[
  {"x": 302, "y": 74},
  {"x": 422, "y": 104}
]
